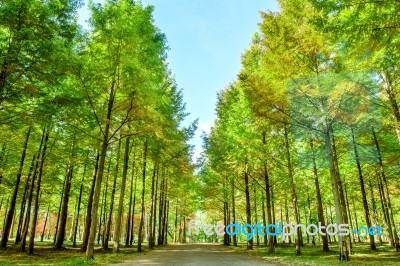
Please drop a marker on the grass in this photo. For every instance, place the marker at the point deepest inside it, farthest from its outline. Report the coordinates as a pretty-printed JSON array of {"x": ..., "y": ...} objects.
[
  {"x": 362, "y": 255},
  {"x": 45, "y": 254}
]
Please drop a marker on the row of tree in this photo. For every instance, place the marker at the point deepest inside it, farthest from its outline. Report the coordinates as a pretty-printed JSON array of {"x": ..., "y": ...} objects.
[
  {"x": 309, "y": 131},
  {"x": 91, "y": 127}
]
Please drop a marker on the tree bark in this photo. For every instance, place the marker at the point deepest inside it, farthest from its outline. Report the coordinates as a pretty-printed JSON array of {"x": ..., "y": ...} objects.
[
  {"x": 363, "y": 193},
  {"x": 248, "y": 209},
  {"x": 118, "y": 218},
  {"x": 78, "y": 208},
  {"x": 23, "y": 203},
  {"x": 338, "y": 195},
  {"x": 11, "y": 210},
  {"x": 129, "y": 215},
  {"x": 88, "y": 218},
  {"x": 386, "y": 191},
  {"x": 140, "y": 237},
  {"x": 293, "y": 192},
  {"x": 321, "y": 218},
  {"x": 152, "y": 220},
  {"x": 30, "y": 195},
  {"x": 110, "y": 215},
  {"x": 36, "y": 206},
  {"x": 64, "y": 209},
  {"x": 45, "y": 222}
]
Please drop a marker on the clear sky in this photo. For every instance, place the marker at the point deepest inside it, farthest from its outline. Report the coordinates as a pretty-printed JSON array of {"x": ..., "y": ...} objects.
[{"x": 206, "y": 40}]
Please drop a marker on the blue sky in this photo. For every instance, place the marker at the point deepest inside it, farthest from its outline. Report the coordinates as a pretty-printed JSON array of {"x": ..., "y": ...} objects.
[{"x": 206, "y": 40}]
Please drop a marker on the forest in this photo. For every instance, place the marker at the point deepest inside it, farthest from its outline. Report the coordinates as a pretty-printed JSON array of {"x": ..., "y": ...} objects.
[{"x": 96, "y": 164}]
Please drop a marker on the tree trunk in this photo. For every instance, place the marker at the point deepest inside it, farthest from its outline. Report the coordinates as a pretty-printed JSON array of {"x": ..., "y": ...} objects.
[
  {"x": 78, "y": 208},
  {"x": 23, "y": 203},
  {"x": 59, "y": 207},
  {"x": 45, "y": 222},
  {"x": 255, "y": 216},
  {"x": 155, "y": 208},
  {"x": 110, "y": 215},
  {"x": 386, "y": 191},
  {"x": 248, "y": 209},
  {"x": 133, "y": 213},
  {"x": 118, "y": 217},
  {"x": 338, "y": 196},
  {"x": 11, "y": 210},
  {"x": 88, "y": 218},
  {"x": 129, "y": 215},
  {"x": 30, "y": 195},
  {"x": 151, "y": 236},
  {"x": 140, "y": 237},
  {"x": 293, "y": 192},
  {"x": 363, "y": 193},
  {"x": 176, "y": 221},
  {"x": 349, "y": 214},
  {"x": 375, "y": 219},
  {"x": 36, "y": 206},
  {"x": 233, "y": 209},
  {"x": 321, "y": 218},
  {"x": 160, "y": 209},
  {"x": 64, "y": 209}
]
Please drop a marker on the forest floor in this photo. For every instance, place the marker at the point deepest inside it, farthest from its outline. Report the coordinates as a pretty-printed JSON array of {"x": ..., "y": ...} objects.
[
  {"x": 45, "y": 254},
  {"x": 362, "y": 255},
  {"x": 199, "y": 254}
]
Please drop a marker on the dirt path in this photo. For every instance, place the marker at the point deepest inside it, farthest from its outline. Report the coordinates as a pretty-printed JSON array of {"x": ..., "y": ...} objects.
[{"x": 194, "y": 255}]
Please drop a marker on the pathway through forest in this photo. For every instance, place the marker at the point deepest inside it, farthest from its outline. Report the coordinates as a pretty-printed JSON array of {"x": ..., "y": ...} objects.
[{"x": 195, "y": 254}]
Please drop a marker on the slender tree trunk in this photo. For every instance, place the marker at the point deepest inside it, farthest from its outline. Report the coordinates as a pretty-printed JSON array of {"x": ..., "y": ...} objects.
[
  {"x": 105, "y": 200},
  {"x": 293, "y": 192},
  {"x": 64, "y": 209},
  {"x": 321, "y": 218},
  {"x": 88, "y": 218},
  {"x": 363, "y": 193},
  {"x": 349, "y": 214},
  {"x": 233, "y": 209},
  {"x": 30, "y": 195},
  {"x": 273, "y": 209},
  {"x": 356, "y": 220},
  {"x": 11, "y": 210},
  {"x": 129, "y": 218},
  {"x": 386, "y": 191},
  {"x": 133, "y": 213},
  {"x": 59, "y": 207},
  {"x": 153, "y": 196},
  {"x": 384, "y": 209},
  {"x": 110, "y": 215},
  {"x": 36, "y": 206},
  {"x": 102, "y": 209},
  {"x": 338, "y": 196},
  {"x": 118, "y": 218},
  {"x": 255, "y": 216},
  {"x": 184, "y": 230},
  {"x": 45, "y": 222},
  {"x": 264, "y": 220},
  {"x": 176, "y": 221},
  {"x": 155, "y": 208},
  {"x": 140, "y": 236},
  {"x": 248, "y": 209},
  {"x": 23, "y": 203},
  {"x": 375, "y": 219},
  {"x": 78, "y": 208},
  {"x": 160, "y": 209}
]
